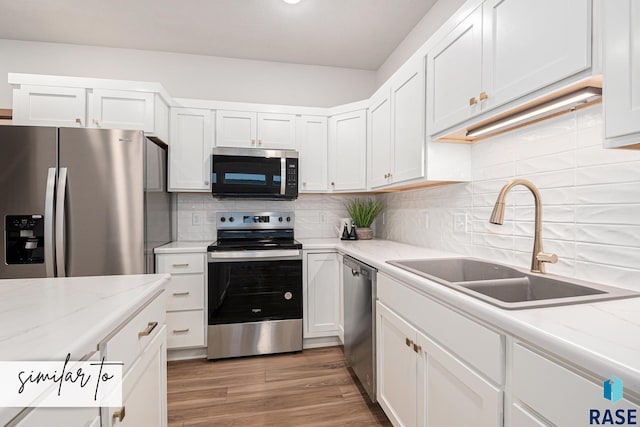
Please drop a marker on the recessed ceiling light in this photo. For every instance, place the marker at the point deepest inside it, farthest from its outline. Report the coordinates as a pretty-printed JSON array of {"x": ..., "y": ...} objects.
[{"x": 291, "y": 1}]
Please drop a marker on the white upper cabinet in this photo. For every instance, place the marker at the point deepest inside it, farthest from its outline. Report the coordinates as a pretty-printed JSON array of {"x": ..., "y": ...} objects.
[
  {"x": 454, "y": 75},
  {"x": 50, "y": 106},
  {"x": 120, "y": 109},
  {"x": 311, "y": 143},
  {"x": 255, "y": 130},
  {"x": 277, "y": 131},
  {"x": 529, "y": 45},
  {"x": 236, "y": 129},
  {"x": 407, "y": 103},
  {"x": 379, "y": 140},
  {"x": 622, "y": 73},
  {"x": 503, "y": 50},
  {"x": 190, "y": 151},
  {"x": 85, "y": 102},
  {"x": 348, "y": 151}
]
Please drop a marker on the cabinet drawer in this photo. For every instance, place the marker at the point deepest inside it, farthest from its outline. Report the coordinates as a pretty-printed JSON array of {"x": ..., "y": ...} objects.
[
  {"x": 560, "y": 395},
  {"x": 185, "y": 329},
  {"x": 186, "y": 292},
  {"x": 180, "y": 263},
  {"x": 475, "y": 344},
  {"x": 134, "y": 336}
]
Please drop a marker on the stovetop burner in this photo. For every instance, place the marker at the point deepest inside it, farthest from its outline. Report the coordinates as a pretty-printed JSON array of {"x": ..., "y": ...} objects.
[{"x": 254, "y": 231}]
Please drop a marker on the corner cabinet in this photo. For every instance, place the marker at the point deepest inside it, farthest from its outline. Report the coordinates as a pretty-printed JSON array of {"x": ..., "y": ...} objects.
[
  {"x": 348, "y": 151},
  {"x": 396, "y": 143},
  {"x": 190, "y": 150},
  {"x": 503, "y": 50},
  {"x": 311, "y": 143},
  {"x": 255, "y": 130},
  {"x": 622, "y": 74},
  {"x": 321, "y": 291}
]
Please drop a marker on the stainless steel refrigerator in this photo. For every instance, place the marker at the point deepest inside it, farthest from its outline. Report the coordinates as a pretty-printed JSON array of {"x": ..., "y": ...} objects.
[{"x": 81, "y": 202}]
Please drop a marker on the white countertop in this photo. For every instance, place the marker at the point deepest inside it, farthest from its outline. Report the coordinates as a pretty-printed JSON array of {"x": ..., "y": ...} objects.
[
  {"x": 183, "y": 247},
  {"x": 45, "y": 319},
  {"x": 601, "y": 337}
]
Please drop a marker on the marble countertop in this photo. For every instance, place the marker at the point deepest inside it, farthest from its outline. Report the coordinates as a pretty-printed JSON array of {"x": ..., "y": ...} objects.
[
  {"x": 183, "y": 247},
  {"x": 601, "y": 337},
  {"x": 45, "y": 319}
]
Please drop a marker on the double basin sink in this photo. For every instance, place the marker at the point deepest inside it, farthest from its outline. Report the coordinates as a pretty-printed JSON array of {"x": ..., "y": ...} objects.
[{"x": 509, "y": 287}]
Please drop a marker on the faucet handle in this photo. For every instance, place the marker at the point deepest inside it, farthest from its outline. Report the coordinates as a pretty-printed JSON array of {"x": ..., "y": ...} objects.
[{"x": 546, "y": 257}]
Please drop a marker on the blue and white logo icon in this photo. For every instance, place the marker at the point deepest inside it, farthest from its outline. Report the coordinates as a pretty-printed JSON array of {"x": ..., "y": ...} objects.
[{"x": 612, "y": 389}]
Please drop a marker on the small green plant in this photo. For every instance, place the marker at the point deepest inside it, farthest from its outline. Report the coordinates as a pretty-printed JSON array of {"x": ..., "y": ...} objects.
[{"x": 363, "y": 212}]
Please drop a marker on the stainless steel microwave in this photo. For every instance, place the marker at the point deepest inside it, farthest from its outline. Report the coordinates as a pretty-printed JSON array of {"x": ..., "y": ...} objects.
[{"x": 253, "y": 173}]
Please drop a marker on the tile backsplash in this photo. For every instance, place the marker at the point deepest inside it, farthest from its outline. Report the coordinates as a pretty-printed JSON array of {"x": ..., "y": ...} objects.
[
  {"x": 316, "y": 215},
  {"x": 590, "y": 198}
]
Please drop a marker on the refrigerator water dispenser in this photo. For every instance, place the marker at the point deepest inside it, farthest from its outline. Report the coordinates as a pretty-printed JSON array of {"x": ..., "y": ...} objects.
[{"x": 24, "y": 239}]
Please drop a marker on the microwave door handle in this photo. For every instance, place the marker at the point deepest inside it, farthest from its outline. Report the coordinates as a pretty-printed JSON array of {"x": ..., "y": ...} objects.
[
  {"x": 48, "y": 223},
  {"x": 60, "y": 220},
  {"x": 283, "y": 175}
]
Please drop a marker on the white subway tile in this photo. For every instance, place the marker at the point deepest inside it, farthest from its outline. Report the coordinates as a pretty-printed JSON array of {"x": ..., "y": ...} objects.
[
  {"x": 621, "y": 256},
  {"x": 590, "y": 116},
  {"x": 590, "y": 136},
  {"x": 608, "y": 193},
  {"x": 553, "y": 144},
  {"x": 605, "y": 174},
  {"x": 603, "y": 214},
  {"x": 623, "y": 235},
  {"x": 554, "y": 213},
  {"x": 566, "y": 160},
  {"x": 597, "y": 155},
  {"x": 608, "y": 275}
]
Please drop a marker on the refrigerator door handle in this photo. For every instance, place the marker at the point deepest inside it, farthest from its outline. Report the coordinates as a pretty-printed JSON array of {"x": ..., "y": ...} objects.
[
  {"x": 48, "y": 223},
  {"x": 60, "y": 219}
]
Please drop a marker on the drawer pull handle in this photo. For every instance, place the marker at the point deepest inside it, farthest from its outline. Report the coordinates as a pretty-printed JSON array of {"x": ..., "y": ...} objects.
[
  {"x": 150, "y": 327},
  {"x": 181, "y": 294},
  {"x": 184, "y": 265},
  {"x": 180, "y": 331},
  {"x": 119, "y": 414}
]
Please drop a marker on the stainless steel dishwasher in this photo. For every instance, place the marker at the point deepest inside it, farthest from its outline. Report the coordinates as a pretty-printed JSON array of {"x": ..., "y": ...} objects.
[{"x": 360, "y": 321}]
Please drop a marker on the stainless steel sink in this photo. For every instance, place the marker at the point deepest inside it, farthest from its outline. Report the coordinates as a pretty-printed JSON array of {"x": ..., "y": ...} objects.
[{"x": 509, "y": 287}]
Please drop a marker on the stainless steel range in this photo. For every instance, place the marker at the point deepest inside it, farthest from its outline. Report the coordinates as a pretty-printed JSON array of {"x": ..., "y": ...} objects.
[{"x": 255, "y": 285}]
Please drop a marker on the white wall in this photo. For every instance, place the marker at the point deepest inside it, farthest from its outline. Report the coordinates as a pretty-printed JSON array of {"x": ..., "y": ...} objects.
[
  {"x": 190, "y": 76},
  {"x": 430, "y": 22},
  {"x": 590, "y": 197},
  {"x": 316, "y": 215}
]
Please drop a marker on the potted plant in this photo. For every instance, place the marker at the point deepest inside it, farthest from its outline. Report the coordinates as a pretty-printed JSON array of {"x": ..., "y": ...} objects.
[{"x": 363, "y": 212}]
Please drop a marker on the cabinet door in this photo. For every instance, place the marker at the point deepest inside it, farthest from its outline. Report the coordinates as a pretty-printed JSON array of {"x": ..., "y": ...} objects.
[
  {"x": 277, "y": 131},
  {"x": 379, "y": 141},
  {"x": 452, "y": 394},
  {"x": 622, "y": 69},
  {"x": 323, "y": 303},
  {"x": 454, "y": 75},
  {"x": 144, "y": 389},
  {"x": 529, "y": 45},
  {"x": 236, "y": 129},
  {"x": 120, "y": 109},
  {"x": 348, "y": 151},
  {"x": 312, "y": 145},
  {"x": 50, "y": 106},
  {"x": 41, "y": 416},
  {"x": 407, "y": 101},
  {"x": 190, "y": 151},
  {"x": 396, "y": 367}
]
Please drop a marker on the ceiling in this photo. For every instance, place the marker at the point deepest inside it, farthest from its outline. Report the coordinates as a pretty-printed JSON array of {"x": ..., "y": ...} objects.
[{"x": 343, "y": 33}]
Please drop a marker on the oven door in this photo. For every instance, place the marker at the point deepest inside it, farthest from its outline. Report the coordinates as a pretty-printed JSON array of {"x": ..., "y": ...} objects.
[{"x": 254, "y": 286}]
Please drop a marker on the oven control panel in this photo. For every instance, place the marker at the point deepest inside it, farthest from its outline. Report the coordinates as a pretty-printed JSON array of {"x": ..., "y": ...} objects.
[{"x": 254, "y": 220}]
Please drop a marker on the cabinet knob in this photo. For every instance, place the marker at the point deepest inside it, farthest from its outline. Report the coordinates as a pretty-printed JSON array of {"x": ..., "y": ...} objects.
[
  {"x": 473, "y": 101},
  {"x": 119, "y": 414},
  {"x": 206, "y": 183},
  {"x": 79, "y": 121},
  {"x": 408, "y": 342},
  {"x": 95, "y": 122},
  {"x": 333, "y": 183},
  {"x": 483, "y": 96},
  {"x": 386, "y": 175},
  {"x": 390, "y": 175},
  {"x": 304, "y": 183},
  {"x": 259, "y": 142},
  {"x": 417, "y": 348},
  {"x": 253, "y": 142}
]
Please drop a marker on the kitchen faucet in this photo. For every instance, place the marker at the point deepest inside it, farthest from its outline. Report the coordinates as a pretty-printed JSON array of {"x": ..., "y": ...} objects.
[{"x": 538, "y": 257}]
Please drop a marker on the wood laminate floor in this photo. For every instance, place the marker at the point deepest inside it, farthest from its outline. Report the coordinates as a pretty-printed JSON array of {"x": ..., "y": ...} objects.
[{"x": 312, "y": 388}]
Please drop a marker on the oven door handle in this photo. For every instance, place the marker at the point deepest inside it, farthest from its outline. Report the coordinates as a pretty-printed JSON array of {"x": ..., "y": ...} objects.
[{"x": 270, "y": 255}]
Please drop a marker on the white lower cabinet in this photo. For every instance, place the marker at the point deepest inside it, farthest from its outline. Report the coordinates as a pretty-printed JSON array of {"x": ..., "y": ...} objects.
[
  {"x": 555, "y": 393},
  {"x": 421, "y": 384},
  {"x": 321, "y": 295},
  {"x": 185, "y": 298}
]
